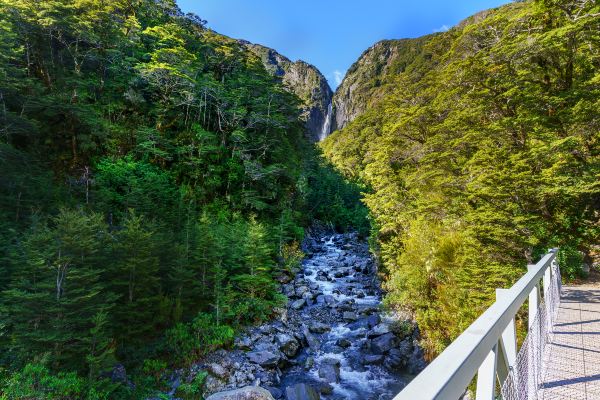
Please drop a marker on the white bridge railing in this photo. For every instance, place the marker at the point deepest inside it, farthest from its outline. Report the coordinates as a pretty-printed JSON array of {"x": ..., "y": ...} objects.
[{"x": 488, "y": 347}]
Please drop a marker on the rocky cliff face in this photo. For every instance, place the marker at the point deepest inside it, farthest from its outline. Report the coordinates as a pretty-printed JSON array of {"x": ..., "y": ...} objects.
[
  {"x": 364, "y": 82},
  {"x": 306, "y": 82}
]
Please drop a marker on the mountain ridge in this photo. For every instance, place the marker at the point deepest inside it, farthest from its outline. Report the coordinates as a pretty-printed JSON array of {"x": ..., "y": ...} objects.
[{"x": 304, "y": 80}]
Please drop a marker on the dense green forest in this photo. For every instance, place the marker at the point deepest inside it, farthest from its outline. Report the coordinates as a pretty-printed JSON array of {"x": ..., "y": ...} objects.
[
  {"x": 154, "y": 182},
  {"x": 482, "y": 153}
]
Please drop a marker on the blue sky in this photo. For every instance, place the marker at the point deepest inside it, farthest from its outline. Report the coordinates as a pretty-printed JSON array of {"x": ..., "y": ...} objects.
[{"x": 330, "y": 34}]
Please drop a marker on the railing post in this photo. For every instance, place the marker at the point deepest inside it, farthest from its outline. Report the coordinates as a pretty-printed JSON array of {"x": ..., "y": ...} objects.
[
  {"x": 486, "y": 377},
  {"x": 488, "y": 348},
  {"x": 547, "y": 280},
  {"x": 534, "y": 299},
  {"x": 532, "y": 368},
  {"x": 508, "y": 344}
]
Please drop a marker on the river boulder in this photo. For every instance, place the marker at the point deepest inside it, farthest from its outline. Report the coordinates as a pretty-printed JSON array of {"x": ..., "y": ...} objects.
[
  {"x": 287, "y": 344},
  {"x": 301, "y": 391},
  {"x": 329, "y": 370},
  {"x": 264, "y": 358},
  {"x": 318, "y": 327},
  {"x": 384, "y": 343},
  {"x": 245, "y": 393}
]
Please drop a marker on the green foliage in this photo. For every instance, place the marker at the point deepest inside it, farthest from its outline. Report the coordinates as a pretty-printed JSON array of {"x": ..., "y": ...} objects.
[
  {"x": 152, "y": 171},
  {"x": 124, "y": 184},
  {"x": 571, "y": 262},
  {"x": 155, "y": 369},
  {"x": 291, "y": 256},
  {"x": 188, "y": 341},
  {"x": 35, "y": 381},
  {"x": 57, "y": 298},
  {"x": 334, "y": 200},
  {"x": 193, "y": 390},
  {"x": 481, "y": 158}
]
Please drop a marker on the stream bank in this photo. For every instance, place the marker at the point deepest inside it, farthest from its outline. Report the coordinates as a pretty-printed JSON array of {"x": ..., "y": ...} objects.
[{"x": 332, "y": 341}]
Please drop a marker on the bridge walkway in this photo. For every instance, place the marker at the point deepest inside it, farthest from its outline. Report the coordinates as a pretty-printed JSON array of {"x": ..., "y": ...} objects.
[{"x": 572, "y": 356}]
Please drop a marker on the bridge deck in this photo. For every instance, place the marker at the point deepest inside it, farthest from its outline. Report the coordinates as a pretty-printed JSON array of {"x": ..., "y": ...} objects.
[{"x": 573, "y": 356}]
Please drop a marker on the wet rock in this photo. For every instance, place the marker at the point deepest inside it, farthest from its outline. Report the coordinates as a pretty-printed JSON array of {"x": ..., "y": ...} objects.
[
  {"x": 378, "y": 330},
  {"x": 416, "y": 362},
  {"x": 298, "y": 304},
  {"x": 300, "y": 290},
  {"x": 346, "y": 305},
  {"x": 343, "y": 343},
  {"x": 319, "y": 327},
  {"x": 311, "y": 340},
  {"x": 325, "y": 388},
  {"x": 373, "y": 320},
  {"x": 264, "y": 358},
  {"x": 360, "y": 324},
  {"x": 280, "y": 314},
  {"x": 406, "y": 347},
  {"x": 310, "y": 362},
  {"x": 329, "y": 370},
  {"x": 245, "y": 393},
  {"x": 213, "y": 384},
  {"x": 301, "y": 391},
  {"x": 217, "y": 370},
  {"x": 288, "y": 290},
  {"x": 284, "y": 278},
  {"x": 370, "y": 359},
  {"x": 276, "y": 393},
  {"x": 350, "y": 316},
  {"x": 394, "y": 360},
  {"x": 384, "y": 343},
  {"x": 368, "y": 310},
  {"x": 287, "y": 344},
  {"x": 308, "y": 297}
]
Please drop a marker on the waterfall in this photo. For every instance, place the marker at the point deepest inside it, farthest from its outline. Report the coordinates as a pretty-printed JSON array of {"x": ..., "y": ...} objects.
[{"x": 326, "y": 129}]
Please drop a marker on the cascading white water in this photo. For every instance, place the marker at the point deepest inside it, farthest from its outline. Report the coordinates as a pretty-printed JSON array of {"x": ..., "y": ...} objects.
[{"x": 326, "y": 129}]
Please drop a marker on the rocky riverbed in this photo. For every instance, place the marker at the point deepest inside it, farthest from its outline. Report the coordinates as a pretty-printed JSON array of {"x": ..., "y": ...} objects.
[{"x": 332, "y": 341}]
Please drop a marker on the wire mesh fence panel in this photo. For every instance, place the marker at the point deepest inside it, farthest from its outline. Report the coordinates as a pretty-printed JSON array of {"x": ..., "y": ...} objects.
[{"x": 526, "y": 376}]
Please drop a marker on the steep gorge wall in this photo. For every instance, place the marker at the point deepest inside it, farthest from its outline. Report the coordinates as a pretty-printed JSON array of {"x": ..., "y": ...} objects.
[
  {"x": 304, "y": 80},
  {"x": 365, "y": 82}
]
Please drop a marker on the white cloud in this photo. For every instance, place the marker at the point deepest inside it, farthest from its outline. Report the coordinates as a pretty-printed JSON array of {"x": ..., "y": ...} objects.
[
  {"x": 442, "y": 28},
  {"x": 338, "y": 76}
]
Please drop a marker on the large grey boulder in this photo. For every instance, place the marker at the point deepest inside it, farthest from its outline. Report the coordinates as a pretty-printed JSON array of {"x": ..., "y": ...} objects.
[
  {"x": 416, "y": 362},
  {"x": 329, "y": 370},
  {"x": 311, "y": 340},
  {"x": 384, "y": 343},
  {"x": 287, "y": 344},
  {"x": 243, "y": 343},
  {"x": 301, "y": 391},
  {"x": 245, "y": 393},
  {"x": 218, "y": 370},
  {"x": 319, "y": 327},
  {"x": 264, "y": 358},
  {"x": 343, "y": 343},
  {"x": 298, "y": 304},
  {"x": 395, "y": 360},
  {"x": 379, "y": 329},
  {"x": 301, "y": 290},
  {"x": 349, "y": 316},
  {"x": 373, "y": 359}
]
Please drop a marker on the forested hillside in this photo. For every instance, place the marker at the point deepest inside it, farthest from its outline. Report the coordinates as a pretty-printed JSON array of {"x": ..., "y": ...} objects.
[
  {"x": 154, "y": 183},
  {"x": 482, "y": 153}
]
